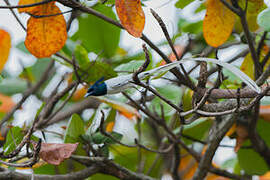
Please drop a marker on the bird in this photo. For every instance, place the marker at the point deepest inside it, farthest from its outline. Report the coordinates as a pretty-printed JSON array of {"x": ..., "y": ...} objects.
[{"x": 120, "y": 83}]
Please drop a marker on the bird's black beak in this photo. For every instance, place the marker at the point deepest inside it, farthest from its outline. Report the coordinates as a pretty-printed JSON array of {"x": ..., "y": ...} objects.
[{"x": 89, "y": 93}]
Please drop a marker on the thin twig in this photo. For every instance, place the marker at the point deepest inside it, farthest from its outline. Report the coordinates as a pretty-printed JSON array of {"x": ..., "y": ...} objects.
[
  {"x": 49, "y": 15},
  {"x": 165, "y": 31},
  {"x": 15, "y": 15},
  {"x": 26, "y": 5},
  {"x": 261, "y": 43}
]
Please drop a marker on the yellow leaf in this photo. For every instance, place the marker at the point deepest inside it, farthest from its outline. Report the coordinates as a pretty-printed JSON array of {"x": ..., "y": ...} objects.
[
  {"x": 46, "y": 35},
  {"x": 187, "y": 101},
  {"x": 131, "y": 15},
  {"x": 5, "y": 45},
  {"x": 218, "y": 23},
  {"x": 231, "y": 130},
  {"x": 109, "y": 127},
  {"x": 247, "y": 65},
  {"x": 253, "y": 8}
]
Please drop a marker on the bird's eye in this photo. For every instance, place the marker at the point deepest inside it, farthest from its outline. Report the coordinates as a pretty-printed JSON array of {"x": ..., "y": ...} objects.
[{"x": 119, "y": 84}]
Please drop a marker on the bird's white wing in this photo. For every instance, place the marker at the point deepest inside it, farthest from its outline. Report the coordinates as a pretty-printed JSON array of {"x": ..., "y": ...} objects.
[
  {"x": 228, "y": 66},
  {"x": 118, "y": 84}
]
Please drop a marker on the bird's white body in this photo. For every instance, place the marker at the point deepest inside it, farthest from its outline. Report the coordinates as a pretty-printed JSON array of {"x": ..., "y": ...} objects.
[{"x": 120, "y": 83}]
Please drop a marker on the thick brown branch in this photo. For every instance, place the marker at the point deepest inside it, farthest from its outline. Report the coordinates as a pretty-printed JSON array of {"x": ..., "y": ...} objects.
[
  {"x": 83, "y": 174},
  {"x": 218, "y": 132}
]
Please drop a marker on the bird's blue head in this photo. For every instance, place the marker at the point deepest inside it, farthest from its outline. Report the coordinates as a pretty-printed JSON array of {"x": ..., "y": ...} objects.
[{"x": 99, "y": 88}]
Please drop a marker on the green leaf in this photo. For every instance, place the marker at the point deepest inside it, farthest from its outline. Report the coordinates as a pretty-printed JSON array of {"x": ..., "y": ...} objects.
[
  {"x": 97, "y": 35},
  {"x": 125, "y": 59},
  {"x": 251, "y": 161},
  {"x": 263, "y": 19},
  {"x": 98, "y": 69},
  {"x": 171, "y": 92},
  {"x": 45, "y": 169},
  {"x": 116, "y": 136},
  {"x": 111, "y": 116},
  {"x": 39, "y": 68},
  {"x": 128, "y": 157},
  {"x": 74, "y": 133},
  {"x": 22, "y": 47},
  {"x": 14, "y": 137},
  {"x": 74, "y": 130},
  {"x": 193, "y": 28},
  {"x": 182, "y": 3},
  {"x": 99, "y": 138},
  {"x": 130, "y": 66},
  {"x": 201, "y": 7},
  {"x": 230, "y": 163},
  {"x": 69, "y": 47},
  {"x": 197, "y": 129},
  {"x": 104, "y": 150},
  {"x": 237, "y": 169},
  {"x": 12, "y": 86},
  {"x": 81, "y": 56}
]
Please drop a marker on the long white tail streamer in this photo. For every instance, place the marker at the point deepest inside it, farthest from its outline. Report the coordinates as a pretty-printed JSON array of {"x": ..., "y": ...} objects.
[{"x": 249, "y": 82}]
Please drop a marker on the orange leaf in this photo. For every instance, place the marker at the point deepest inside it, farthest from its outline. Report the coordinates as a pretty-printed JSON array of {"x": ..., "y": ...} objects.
[
  {"x": 54, "y": 153},
  {"x": 1, "y": 137},
  {"x": 5, "y": 44},
  {"x": 265, "y": 112},
  {"x": 131, "y": 15},
  {"x": 121, "y": 107},
  {"x": 46, "y": 35},
  {"x": 266, "y": 176},
  {"x": 127, "y": 115},
  {"x": 187, "y": 167},
  {"x": 179, "y": 50},
  {"x": 37, "y": 165},
  {"x": 7, "y": 103},
  {"x": 29, "y": 9},
  {"x": 215, "y": 177},
  {"x": 218, "y": 23}
]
